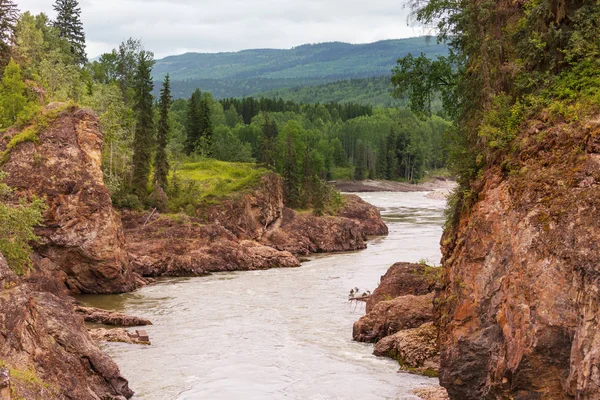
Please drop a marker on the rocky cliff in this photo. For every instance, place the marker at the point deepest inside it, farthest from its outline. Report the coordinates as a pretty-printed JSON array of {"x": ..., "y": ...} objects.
[
  {"x": 520, "y": 299},
  {"x": 45, "y": 349},
  {"x": 58, "y": 158}
]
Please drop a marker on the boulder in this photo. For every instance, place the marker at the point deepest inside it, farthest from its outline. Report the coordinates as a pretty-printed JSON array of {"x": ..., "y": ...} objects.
[
  {"x": 402, "y": 279},
  {"x": 389, "y": 317},
  {"x": 415, "y": 349}
]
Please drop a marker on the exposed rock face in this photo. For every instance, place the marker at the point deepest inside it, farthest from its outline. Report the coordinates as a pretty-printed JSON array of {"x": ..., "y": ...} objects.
[
  {"x": 367, "y": 215},
  {"x": 81, "y": 235},
  {"x": 415, "y": 349},
  {"x": 252, "y": 232},
  {"x": 305, "y": 233},
  {"x": 399, "y": 318},
  {"x": 249, "y": 216},
  {"x": 403, "y": 279},
  {"x": 520, "y": 300},
  {"x": 177, "y": 248},
  {"x": 47, "y": 349},
  {"x": 99, "y": 316},
  {"x": 389, "y": 317}
]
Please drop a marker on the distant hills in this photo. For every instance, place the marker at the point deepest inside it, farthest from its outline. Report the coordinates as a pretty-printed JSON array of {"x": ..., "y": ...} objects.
[{"x": 250, "y": 72}]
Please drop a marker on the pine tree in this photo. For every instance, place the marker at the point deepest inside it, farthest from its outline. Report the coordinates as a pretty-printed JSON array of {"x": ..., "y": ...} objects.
[
  {"x": 68, "y": 23},
  {"x": 8, "y": 19},
  {"x": 144, "y": 128},
  {"x": 193, "y": 129},
  {"x": 269, "y": 131},
  {"x": 161, "y": 164},
  {"x": 206, "y": 128}
]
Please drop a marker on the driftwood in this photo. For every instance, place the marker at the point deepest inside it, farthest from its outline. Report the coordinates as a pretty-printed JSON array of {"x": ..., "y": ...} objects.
[{"x": 359, "y": 298}]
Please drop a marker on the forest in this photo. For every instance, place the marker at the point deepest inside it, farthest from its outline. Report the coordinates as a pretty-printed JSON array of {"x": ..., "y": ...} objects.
[{"x": 152, "y": 144}]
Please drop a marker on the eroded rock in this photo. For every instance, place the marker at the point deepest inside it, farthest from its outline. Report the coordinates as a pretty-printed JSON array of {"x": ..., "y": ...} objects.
[
  {"x": 389, "y": 317},
  {"x": 49, "y": 352},
  {"x": 81, "y": 234},
  {"x": 415, "y": 349},
  {"x": 99, "y": 316},
  {"x": 521, "y": 293},
  {"x": 119, "y": 335},
  {"x": 402, "y": 279}
]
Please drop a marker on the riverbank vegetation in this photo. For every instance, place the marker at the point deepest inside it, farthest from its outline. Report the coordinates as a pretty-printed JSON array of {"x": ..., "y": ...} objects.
[{"x": 508, "y": 64}]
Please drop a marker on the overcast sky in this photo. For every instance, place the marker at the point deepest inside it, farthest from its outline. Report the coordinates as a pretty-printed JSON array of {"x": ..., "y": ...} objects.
[{"x": 180, "y": 26}]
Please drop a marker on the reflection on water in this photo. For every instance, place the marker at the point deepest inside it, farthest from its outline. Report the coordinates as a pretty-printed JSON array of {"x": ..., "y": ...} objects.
[{"x": 276, "y": 334}]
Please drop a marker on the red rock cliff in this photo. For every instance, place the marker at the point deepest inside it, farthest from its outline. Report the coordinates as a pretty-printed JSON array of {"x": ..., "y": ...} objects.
[
  {"x": 81, "y": 236},
  {"x": 520, "y": 300}
]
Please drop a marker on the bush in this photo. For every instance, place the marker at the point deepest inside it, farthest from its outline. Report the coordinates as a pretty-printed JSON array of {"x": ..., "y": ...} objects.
[{"x": 17, "y": 222}]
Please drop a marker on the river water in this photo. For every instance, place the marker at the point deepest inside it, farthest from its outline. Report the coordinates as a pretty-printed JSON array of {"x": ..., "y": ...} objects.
[{"x": 276, "y": 334}]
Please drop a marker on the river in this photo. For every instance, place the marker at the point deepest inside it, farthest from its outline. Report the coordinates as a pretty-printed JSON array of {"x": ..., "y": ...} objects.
[{"x": 276, "y": 334}]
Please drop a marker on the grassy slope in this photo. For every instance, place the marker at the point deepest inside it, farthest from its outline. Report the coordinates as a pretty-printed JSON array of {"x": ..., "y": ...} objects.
[{"x": 214, "y": 179}]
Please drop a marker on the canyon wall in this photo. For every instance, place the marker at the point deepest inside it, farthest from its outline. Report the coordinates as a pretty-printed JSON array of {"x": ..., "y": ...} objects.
[{"x": 520, "y": 298}]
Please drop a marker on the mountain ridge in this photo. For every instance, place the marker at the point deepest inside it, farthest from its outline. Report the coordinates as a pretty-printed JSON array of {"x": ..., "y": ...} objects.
[{"x": 252, "y": 71}]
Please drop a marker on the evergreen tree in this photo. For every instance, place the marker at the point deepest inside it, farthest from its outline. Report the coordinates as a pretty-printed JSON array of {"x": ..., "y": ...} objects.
[
  {"x": 269, "y": 134},
  {"x": 8, "y": 20},
  {"x": 206, "y": 128},
  {"x": 161, "y": 164},
  {"x": 68, "y": 23},
  {"x": 193, "y": 129},
  {"x": 199, "y": 124},
  {"x": 144, "y": 128},
  {"x": 361, "y": 162}
]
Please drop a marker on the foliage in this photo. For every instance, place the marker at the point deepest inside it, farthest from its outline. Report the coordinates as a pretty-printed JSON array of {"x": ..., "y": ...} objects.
[
  {"x": 68, "y": 23},
  {"x": 199, "y": 124},
  {"x": 13, "y": 96},
  {"x": 144, "y": 128},
  {"x": 161, "y": 163},
  {"x": 508, "y": 62},
  {"x": 8, "y": 19},
  {"x": 17, "y": 222}
]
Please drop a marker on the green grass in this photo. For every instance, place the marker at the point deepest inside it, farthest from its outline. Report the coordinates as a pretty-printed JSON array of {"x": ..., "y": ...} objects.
[{"x": 207, "y": 181}]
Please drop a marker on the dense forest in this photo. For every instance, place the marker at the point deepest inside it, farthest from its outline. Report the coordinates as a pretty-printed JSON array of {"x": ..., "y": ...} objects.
[
  {"x": 375, "y": 91},
  {"x": 153, "y": 142}
]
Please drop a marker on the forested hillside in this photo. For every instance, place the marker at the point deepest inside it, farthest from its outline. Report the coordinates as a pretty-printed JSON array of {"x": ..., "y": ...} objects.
[
  {"x": 375, "y": 91},
  {"x": 250, "y": 72}
]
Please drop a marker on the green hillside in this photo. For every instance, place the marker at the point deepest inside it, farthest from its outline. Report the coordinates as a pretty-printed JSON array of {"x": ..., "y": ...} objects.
[
  {"x": 250, "y": 72},
  {"x": 375, "y": 91}
]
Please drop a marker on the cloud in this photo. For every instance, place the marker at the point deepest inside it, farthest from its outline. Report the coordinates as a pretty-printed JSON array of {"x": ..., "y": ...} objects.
[{"x": 178, "y": 26}]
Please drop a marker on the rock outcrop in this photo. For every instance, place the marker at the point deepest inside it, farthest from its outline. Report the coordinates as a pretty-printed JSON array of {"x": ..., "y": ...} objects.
[
  {"x": 47, "y": 350},
  {"x": 403, "y": 279},
  {"x": 81, "y": 236},
  {"x": 391, "y": 316},
  {"x": 520, "y": 300},
  {"x": 119, "y": 335},
  {"x": 99, "y": 316},
  {"x": 400, "y": 318},
  {"x": 183, "y": 247},
  {"x": 253, "y": 231},
  {"x": 415, "y": 349}
]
